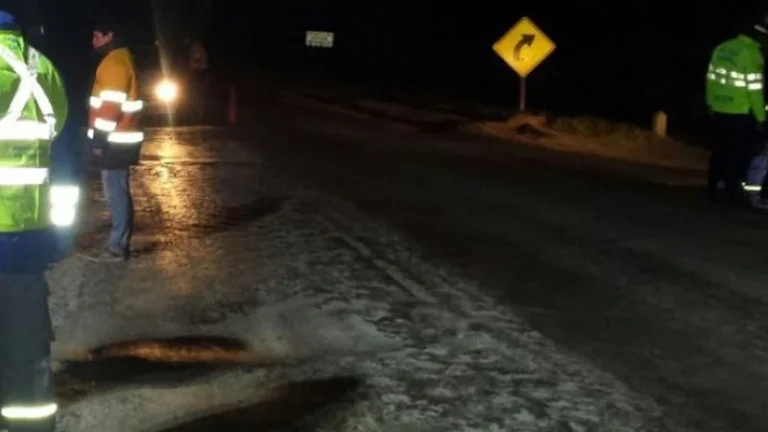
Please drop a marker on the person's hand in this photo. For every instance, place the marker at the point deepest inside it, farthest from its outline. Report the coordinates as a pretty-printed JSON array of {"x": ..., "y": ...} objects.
[{"x": 98, "y": 151}]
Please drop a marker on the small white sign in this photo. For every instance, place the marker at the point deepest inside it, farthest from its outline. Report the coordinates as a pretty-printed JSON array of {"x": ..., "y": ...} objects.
[{"x": 319, "y": 39}]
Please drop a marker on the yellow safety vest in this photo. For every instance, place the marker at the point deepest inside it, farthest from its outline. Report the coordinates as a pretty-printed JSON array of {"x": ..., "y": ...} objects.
[{"x": 33, "y": 112}]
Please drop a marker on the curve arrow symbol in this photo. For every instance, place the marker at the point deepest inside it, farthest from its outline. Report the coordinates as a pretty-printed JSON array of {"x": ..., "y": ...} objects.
[{"x": 525, "y": 41}]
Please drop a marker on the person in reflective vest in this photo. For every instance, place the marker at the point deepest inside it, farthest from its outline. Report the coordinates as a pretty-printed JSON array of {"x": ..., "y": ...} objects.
[
  {"x": 115, "y": 136},
  {"x": 734, "y": 92},
  {"x": 33, "y": 110}
]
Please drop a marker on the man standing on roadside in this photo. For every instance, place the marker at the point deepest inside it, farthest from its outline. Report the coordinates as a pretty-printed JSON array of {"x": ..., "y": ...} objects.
[
  {"x": 116, "y": 140},
  {"x": 734, "y": 91}
]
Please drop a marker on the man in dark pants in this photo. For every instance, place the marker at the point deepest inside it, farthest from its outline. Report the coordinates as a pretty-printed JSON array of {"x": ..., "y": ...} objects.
[
  {"x": 734, "y": 91},
  {"x": 25, "y": 370},
  {"x": 33, "y": 213},
  {"x": 734, "y": 147}
]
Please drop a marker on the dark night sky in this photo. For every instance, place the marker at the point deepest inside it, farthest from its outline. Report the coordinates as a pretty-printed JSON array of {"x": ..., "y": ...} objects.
[{"x": 654, "y": 49}]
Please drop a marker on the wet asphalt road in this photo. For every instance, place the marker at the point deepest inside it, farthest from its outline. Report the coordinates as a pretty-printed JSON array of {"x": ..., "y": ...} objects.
[{"x": 647, "y": 282}]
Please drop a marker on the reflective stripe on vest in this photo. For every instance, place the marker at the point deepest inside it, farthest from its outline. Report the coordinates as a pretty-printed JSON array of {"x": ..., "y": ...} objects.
[
  {"x": 751, "y": 81},
  {"x": 110, "y": 126},
  {"x": 23, "y": 176},
  {"x": 11, "y": 126},
  {"x": 25, "y": 130},
  {"x": 120, "y": 137},
  {"x": 25, "y": 190}
]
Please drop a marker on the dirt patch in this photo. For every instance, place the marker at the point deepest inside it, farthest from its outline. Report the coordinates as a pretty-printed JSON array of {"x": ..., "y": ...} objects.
[{"x": 594, "y": 136}]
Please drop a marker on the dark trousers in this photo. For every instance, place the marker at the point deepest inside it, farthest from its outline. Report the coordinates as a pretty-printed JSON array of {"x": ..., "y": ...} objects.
[
  {"x": 25, "y": 340},
  {"x": 735, "y": 136}
]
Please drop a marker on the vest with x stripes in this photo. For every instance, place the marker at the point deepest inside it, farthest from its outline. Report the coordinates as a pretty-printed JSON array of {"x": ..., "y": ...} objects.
[{"x": 32, "y": 111}]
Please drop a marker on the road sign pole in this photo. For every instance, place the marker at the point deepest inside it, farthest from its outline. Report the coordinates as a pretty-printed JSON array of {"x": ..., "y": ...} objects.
[{"x": 523, "y": 48}]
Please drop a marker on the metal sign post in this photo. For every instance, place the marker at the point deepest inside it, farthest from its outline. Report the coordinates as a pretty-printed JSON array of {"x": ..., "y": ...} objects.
[{"x": 523, "y": 48}]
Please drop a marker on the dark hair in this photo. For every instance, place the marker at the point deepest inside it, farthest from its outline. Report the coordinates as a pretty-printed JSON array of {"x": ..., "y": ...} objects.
[{"x": 108, "y": 26}]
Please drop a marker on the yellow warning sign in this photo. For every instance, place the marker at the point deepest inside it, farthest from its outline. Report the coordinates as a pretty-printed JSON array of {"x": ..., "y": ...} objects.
[{"x": 524, "y": 47}]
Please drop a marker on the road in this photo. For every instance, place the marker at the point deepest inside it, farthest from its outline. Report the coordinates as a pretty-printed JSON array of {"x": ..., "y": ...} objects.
[{"x": 317, "y": 270}]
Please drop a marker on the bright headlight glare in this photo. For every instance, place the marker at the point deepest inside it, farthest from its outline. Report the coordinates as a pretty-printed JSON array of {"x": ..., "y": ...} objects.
[{"x": 167, "y": 91}]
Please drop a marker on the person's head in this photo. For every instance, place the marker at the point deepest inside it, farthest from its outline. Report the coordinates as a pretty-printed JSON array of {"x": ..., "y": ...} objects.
[
  {"x": 104, "y": 33},
  {"x": 7, "y": 21},
  {"x": 757, "y": 29}
]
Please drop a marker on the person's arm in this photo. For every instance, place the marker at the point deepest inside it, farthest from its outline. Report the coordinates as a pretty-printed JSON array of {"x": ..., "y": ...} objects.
[
  {"x": 108, "y": 95},
  {"x": 753, "y": 70},
  {"x": 708, "y": 82}
]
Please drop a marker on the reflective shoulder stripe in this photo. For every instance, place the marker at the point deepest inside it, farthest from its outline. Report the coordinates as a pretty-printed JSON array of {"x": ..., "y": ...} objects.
[
  {"x": 28, "y": 87},
  {"x": 41, "y": 98}
]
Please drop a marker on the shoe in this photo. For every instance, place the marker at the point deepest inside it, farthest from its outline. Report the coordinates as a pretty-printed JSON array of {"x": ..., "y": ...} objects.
[
  {"x": 760, "y": 204},
  {"x": 106, "y": 255}
]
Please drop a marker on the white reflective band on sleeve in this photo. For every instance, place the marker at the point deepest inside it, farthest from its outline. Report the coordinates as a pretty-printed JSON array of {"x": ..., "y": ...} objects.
[
  {"x": 64, "y": 199},
  {"x": 65, "y": 195},
  {"x": 751, "y": 188},
  {"x": 756, "y": 86},
  {"x": 96, "y": 102},
  {"x": 24, "y": 130},
  {"x": 113, "y": 96},
  {"x": 90, "y": 133},
  {"x": 125, "y": 137},
  {"x": 63, "y": 216},
  {"x": 23, "y": 176},
  {"x": 104, "y": 125},
  {"x": 29, "y": 412},
  {"x": 133, "y": 106}
]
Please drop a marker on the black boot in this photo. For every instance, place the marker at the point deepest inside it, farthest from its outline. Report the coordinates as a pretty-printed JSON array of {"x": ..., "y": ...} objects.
[{"x": 29, "y": 405}]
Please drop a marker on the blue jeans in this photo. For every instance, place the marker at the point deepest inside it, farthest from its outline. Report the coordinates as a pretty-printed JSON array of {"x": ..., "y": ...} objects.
[{"x": 117, "y": 189}]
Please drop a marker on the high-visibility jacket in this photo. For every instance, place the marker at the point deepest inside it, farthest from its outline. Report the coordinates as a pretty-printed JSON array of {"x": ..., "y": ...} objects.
[
  {"x": 33, "y": 110},
  {"x": 735, "y": 78},
  {"x": 114, "y": 110}
]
